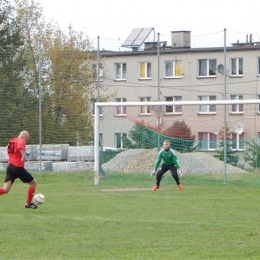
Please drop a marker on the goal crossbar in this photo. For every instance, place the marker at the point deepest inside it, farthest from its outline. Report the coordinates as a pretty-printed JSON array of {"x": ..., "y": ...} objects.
[{"x": 169, "y": 103}]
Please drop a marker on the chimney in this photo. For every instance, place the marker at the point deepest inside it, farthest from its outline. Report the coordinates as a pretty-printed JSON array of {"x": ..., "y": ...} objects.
[{"x": 181, "y": 39}]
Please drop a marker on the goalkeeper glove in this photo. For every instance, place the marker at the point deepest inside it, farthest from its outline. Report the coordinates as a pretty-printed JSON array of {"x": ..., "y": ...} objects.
[{"x": 153, "y": 172}]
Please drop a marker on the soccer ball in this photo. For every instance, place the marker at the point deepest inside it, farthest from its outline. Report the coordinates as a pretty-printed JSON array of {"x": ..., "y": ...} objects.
[{"x": 38, "y": 199}]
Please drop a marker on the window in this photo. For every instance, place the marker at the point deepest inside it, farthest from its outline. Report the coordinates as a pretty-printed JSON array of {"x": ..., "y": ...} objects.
[
  {"x": 237, "y": 141},
  {"x": 120, "y": 110},
  {"x": 95, "y": 72},
  {"x": 173, "y": 69},
  {"x": 173, "y": 109},
  {"x": 207, "y": 108},
  {"x": 120, "y": 71},
  {"x": 145, "y": 109},
  {"x": 237, "y": 67},
  {"x": 237, "y": 108},
  {"x": 207, "y": 141},
  {"x": 145, "y": 70},
  {"x": 207, "y": 68},
  {"x": 120, "y": 138}
]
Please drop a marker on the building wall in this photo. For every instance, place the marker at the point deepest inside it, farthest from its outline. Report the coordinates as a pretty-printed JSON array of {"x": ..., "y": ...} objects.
[{"x": 189, "y": 87}]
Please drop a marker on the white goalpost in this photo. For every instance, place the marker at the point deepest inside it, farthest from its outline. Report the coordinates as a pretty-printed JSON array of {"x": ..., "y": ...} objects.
[{"x": 235, "y": 119}]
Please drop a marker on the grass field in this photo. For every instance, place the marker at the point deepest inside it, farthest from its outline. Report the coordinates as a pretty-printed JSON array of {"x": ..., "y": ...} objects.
[{"x": 123, "y": 219}]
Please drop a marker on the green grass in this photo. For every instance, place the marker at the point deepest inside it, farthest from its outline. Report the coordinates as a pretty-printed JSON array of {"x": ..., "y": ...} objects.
[{"x": 206, "y": 220}]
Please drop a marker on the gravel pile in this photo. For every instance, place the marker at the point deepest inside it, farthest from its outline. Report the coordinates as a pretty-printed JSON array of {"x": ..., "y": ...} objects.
[
  {"x": 143, "y": 160},
  {"x": 117, "y": 164}
]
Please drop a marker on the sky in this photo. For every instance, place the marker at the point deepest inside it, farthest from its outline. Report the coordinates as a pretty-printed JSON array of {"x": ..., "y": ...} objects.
[{"x": 114, "y": 19}]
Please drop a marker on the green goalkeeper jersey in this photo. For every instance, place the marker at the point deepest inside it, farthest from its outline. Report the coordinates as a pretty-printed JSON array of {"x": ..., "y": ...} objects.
[{"x": 169, "y": 157}]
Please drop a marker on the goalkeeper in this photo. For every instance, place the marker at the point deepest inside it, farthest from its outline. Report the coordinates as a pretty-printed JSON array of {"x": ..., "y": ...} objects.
[{"x": 170, "y": 162}]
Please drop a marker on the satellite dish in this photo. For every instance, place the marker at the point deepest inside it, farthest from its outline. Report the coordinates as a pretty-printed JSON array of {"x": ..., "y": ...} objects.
[
  {"x": 215, "y": 131},
  {"x": 220, "y": 68},
  {"x": 239, "y": 129}
]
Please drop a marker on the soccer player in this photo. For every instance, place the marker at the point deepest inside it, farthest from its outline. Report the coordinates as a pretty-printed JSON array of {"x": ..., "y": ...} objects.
[
  {"x": 15, "y": 169},
  {"x": 170, "y": 162}
]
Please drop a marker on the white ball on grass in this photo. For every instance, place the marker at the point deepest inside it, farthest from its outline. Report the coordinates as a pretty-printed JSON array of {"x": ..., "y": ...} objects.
[{"x": 38, "y": 199}]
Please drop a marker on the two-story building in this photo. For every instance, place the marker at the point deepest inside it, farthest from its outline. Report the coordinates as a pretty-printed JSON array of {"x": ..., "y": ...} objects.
[{"x": 181, "y": 73}]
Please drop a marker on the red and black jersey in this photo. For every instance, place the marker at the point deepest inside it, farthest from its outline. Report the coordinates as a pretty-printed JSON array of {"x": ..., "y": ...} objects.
[{"x": 14, "y": 154}]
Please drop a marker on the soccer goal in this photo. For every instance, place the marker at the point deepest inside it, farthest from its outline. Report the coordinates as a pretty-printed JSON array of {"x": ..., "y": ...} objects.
[{"x": 210, "y": 137}]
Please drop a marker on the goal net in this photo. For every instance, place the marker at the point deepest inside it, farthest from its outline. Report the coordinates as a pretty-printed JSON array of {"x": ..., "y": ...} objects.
[{"x": 209, "y": 137}]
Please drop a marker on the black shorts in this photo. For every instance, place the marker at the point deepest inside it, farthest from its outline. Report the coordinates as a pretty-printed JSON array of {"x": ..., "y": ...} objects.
[{"x": 13, "y": 172}]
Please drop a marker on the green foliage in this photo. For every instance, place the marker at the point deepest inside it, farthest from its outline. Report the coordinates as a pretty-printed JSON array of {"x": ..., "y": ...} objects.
[
  {"x": 143, "y": 137},
  {"x": 179, "y": 134},
  {"x": 70, "y": 88},
  {"x": 18, "y": 104},
  {"x": 231, "y": 157},
  {"x": 66, "y": 82},
  {"x": 252, "y": 153}
]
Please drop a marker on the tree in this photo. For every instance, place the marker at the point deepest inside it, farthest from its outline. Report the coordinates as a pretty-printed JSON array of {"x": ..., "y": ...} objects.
[
  {"x": 71, "y": 86},
  {"x": 146, "y": 136},
  {"x": 252, "y": 153},
  {"x": 14, "y": 98},
  {"x": 143, "y": 136},
  {"x": 181, "y": 138},
  {"x": 67, "y": 84},
  {"x": 231, "y": 157}
]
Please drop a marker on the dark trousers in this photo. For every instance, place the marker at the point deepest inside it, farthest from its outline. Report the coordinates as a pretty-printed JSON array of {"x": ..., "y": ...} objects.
[{"x": 163, "y": 169}]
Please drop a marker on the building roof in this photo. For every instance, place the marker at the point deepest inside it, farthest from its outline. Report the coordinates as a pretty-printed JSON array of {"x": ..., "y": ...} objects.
[{"x": 174, "y": 50}]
